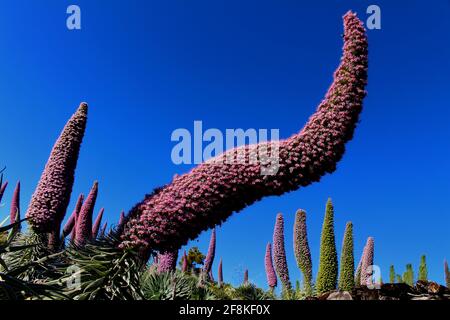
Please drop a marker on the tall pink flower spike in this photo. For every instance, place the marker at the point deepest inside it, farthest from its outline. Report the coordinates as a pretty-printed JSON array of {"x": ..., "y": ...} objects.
[
  {"x": 167, "y": 261},
  {"x": 213, "y": 191}
]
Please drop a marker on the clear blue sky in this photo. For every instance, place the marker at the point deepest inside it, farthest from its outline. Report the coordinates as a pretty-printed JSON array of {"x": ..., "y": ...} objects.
[{"x": 147, "y": 68}]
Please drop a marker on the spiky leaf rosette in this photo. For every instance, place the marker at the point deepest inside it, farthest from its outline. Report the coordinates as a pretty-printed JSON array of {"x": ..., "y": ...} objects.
[
  {"x": 83, "y": 228},
  {"x": 104, "y": 271},
  {"x": 328, "y": 265},
  {"x": 367, "y": 261},
  {"x": 279, "y": 253},
  {"x": 211, "y": 192},
  {"x": 302, "y": 251},
  {"x": 70, "y": 224},
  {"x": 347, "y": 265},
  {"x": 211, "y": 253},
  {"x": 50, "y": 200},
  {"x": 73, "y": 234},
  {"x": 270, "y": 271}
]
